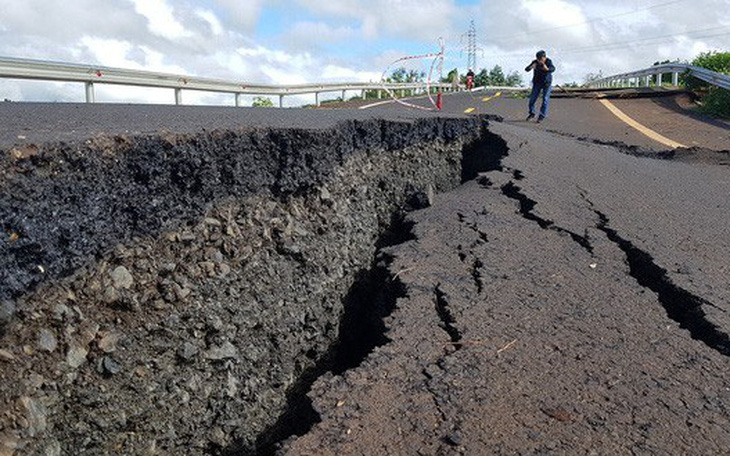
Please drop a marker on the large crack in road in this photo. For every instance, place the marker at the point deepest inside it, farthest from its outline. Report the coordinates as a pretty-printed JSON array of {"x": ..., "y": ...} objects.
[
  {"x": 601, "y": 329},
  {"x": 474, "y": 326}
]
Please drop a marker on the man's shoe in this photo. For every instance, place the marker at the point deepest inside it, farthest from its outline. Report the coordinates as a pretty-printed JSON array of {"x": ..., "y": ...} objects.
[
  {"x": 540, "y": 119},
  {"x": 530, "y": 117}
]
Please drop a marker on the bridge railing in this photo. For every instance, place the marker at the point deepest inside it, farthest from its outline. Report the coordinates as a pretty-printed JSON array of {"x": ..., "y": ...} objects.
[
  {"x": 90, "y": 75},
  {"x": 653, "y": 77}
]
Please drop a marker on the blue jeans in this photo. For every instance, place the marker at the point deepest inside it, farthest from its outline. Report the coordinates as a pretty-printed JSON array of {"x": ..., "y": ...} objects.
[{"x": 536, "y": 89}]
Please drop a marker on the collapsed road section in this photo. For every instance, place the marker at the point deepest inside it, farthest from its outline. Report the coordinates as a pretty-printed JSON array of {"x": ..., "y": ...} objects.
[
  {"x": 534, "y": 323},
  {"x": 168, "y": 293}
]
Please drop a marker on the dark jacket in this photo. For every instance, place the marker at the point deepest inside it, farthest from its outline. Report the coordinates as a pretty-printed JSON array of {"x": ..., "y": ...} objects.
[{"x": 540, "y": 76}]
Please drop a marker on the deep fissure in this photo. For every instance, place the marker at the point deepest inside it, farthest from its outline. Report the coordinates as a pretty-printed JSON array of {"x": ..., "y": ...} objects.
[
  {"x": 447, "y": 317},
  {"x": 527, "y": 205},
  {"x": 680, "y": 305},
  {"x": 371, "y": 299}
]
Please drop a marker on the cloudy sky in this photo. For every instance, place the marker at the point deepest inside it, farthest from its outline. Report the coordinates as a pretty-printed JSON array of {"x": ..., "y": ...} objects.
[{"x": 298, "y": 41}]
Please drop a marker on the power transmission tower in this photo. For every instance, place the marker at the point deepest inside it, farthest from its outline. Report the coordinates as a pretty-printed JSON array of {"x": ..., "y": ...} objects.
[{"x": 469, "y": 45}]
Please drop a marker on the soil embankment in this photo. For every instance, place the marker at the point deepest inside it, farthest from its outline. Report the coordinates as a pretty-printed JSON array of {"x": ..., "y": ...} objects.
[{"x": 173, "y": 294}]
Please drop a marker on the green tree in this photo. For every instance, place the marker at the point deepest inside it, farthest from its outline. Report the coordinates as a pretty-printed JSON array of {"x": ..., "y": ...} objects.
[
  {"x": 482, "y": 78},
  {"x": 590, "y": 78},
  {"x": 404, "y": 75},
  {"x": 453, "y": 74},
  {"x": 715, "y": 100},
  {"x": 262, "y": 102},
  {"x": 514, "y": 79},
  {"x": 496, "y": 76},
  {"x": 718, "y": 62}
]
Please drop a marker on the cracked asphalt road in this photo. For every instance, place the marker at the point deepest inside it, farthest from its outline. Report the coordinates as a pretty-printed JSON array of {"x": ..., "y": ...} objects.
[
  {"x": 574, "y": 301},
  {"x": 529, "y": 325}
]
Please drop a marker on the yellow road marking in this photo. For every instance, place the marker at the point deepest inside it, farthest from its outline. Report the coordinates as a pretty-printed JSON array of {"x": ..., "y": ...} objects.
[
  {"x": 470, "y": 110},
  {"x": 486, "y": 99},
  {"x": 637, "y": 126}
]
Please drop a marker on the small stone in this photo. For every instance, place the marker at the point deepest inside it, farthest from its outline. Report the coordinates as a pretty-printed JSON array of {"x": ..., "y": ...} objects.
[
  {"x": 224, "y": 269},
  {"x": 47, "y": 340},
  {"x": 453, "y": 438},
  {"x": 187, "y": 351},
  {"x": 53, "y": 449},
  {"x": 35, "y": 381},
  {"x": 108, "y": 342},
  {"x": 225, "y": 351},
  {"x": 8, "y": 444},
  {"x": 208, "y": 267},
  {"x": 28, "y": 350},
  {"x": 217, "y": 257},
  {"x": 181, "y": 292},
  {"x": 212, "y": 221},
  {"x": 76, "y": 356},
  {"x": 111, "y": 295},
  {"x": 61, "y": 311},
  {"x": 110, "y": 365},
  {"x": 6, "y": 356},
  {"x": 122, "y": 278},
  {"x": 7, "y": 311},
  {"x": 35, "y": 414},
  {"x": 558, "y": 413},
  {"x": 325, "y": 194},
  {"x": 88, "y": 332},
  {"x": 214, "y": 322}
]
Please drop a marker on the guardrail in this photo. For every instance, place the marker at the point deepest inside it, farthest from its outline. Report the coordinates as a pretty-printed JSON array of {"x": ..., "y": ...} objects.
[
  {"x": 91, "y": 75},
  {"x": 653, "y": 77}
]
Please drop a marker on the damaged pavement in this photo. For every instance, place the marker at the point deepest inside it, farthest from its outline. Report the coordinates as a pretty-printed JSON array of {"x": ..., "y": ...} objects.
[
  {"x": 566, "y": 298},
  {"x": 563, "y": 302}
]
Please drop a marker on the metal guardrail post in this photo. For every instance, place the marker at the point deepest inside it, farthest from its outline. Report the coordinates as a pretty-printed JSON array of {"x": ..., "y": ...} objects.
[
  {"x": 281, "y": 101},
  {"x": 344, "y": 94},
  {"x": 178, "y": 96},
  {"x": 238, "y": 100},
  {"x": 316, "y": 99},
  {"x": 90, "y": 92}
]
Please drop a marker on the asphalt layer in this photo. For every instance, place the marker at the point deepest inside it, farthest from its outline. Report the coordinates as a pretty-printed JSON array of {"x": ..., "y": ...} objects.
[
  {"x": 671, "y": 116},
  {"x": 571, "y": 301},
  {"x": 34, "y": 123}
]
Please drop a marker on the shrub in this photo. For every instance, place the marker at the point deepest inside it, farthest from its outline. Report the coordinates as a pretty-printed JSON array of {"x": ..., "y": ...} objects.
[
  {"x": 262, "y": 102},
  {"x": 716, "y": 101}
]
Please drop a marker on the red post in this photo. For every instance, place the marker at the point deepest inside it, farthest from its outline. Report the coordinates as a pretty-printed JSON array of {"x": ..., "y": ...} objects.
[{"x": 439, "y": 101}]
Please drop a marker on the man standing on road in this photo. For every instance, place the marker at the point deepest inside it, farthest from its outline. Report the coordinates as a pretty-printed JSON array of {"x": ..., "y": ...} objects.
[
  {"x": 470, "y": 79},
  {"x": 541, "y": 82}
]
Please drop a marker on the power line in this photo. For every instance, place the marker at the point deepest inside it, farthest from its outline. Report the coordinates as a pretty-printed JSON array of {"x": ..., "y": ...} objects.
[
  {"x": 605, "y": 46},
  {"x": 611, "y": 45},
  {"x": 588, "y": 21},
  {"x": 645, "y": 44}
]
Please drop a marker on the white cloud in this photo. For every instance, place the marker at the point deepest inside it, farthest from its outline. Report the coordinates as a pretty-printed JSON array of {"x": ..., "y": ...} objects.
[
  {"x": 413, "y": 19},
  {"x": 215, "y": 24},
  {"x": 242, "y": 12},
  {"x": 347, "y": 39},
  {"x": 161, "y": 18}
]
